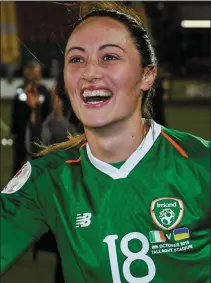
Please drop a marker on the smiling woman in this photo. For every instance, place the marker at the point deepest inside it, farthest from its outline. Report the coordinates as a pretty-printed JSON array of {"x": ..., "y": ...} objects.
[
  {"x": 120, "y": 206},
  {"x": 110, "y": 68}
]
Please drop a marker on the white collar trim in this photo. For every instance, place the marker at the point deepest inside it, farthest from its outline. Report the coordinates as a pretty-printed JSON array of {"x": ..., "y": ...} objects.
[{"x": 133, "y": 160}]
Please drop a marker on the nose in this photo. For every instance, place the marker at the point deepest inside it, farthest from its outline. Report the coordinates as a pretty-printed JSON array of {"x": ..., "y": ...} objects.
[{"x": 92, "y": 71}]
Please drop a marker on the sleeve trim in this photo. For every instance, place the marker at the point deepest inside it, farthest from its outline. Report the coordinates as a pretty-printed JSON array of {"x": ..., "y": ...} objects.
[{"x": 181, "y": 151}]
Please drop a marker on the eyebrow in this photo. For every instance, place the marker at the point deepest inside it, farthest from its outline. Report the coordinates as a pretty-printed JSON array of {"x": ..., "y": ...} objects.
[
  {"x": 110, "y": 45},
  {"x": 101, "y": 47},
  {"x": 75, "y": 48}
]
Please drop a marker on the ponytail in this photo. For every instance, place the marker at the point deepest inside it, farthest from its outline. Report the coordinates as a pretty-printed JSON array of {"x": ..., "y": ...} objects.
[{"x": 74, "y": 142}]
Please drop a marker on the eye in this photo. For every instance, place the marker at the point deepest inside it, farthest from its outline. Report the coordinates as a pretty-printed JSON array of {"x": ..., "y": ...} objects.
[
  {"x": 76, "y": 60},
  {"x": 109, "y": 57}
]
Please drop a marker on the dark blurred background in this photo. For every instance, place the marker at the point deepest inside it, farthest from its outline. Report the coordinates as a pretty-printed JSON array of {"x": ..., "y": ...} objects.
[
  {"x": 38, "y": 30},
  {"x": 42, "y": 29}
]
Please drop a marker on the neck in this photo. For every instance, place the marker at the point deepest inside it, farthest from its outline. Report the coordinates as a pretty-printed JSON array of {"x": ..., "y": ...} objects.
[{"x": 116, "y": 142}]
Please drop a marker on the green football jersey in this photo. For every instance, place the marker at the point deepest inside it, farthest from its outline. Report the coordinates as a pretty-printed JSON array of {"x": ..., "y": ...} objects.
[{"x": 143, "y": 220}]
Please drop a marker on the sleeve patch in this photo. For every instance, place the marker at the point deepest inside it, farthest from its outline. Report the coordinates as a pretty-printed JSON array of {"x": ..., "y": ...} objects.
[{"x": 17, "y": 182}]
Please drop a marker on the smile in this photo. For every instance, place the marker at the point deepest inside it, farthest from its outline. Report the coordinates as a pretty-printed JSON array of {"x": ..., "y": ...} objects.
[{"x": 94, "y": 97}]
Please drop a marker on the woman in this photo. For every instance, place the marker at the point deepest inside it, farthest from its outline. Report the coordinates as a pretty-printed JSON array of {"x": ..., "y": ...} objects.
[
  {"x": 56, "y": 126},
  {"x": 131, "y": 204},
  {"x": 30, "y": 106}
]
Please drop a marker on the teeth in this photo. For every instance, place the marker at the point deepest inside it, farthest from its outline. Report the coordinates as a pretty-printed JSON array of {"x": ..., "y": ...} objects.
[
  {"x": 91, "y": 93},
  {"x": 94, "y": 102}
]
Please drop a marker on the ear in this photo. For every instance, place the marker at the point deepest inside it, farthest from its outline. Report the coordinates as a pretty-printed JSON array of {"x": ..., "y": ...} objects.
[{"x": 148, "y": 78}]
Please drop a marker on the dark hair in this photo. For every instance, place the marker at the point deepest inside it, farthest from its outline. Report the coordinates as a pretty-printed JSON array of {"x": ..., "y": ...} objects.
[
  {"x": 31, "y": 64},
  {"x": 141, "y": 39}
]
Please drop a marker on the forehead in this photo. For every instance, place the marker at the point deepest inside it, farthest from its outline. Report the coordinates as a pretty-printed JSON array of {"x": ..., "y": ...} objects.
[
  {"x": 35, "y": 68},
  {"x": 100, "y": 29}
]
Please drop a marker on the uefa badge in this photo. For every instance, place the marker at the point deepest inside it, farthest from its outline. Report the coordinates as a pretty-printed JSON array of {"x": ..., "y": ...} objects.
[
  {"x": 167, "y": 212},
  {"x": 17, "y": 182}
]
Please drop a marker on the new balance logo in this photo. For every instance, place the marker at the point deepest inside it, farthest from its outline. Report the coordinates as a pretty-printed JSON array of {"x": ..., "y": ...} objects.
[{"x": 83, "y": 220}]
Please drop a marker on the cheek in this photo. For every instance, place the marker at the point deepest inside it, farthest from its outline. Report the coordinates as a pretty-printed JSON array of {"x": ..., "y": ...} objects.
[
  {"x": 127, "y": 76},
  {"x": 71, "y": 80},
  {"x": 119, "y": 76},
  {"x": 68, "y": 80},
  {"x": 74, "y": 104},
  {"x": 128, "y": 82}
]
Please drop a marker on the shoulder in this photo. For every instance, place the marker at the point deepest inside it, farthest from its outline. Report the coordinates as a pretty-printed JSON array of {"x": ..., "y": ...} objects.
[
  {"x": 55, "y": 159},
  {"x": 48, "y": 119},
  {"x": 192, "y": 145},
  {"x": 190, "y": 159},
  {"x": 35, "y": 173}
]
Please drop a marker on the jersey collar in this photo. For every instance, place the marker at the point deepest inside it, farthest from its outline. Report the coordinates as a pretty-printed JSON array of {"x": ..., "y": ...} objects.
[{"x": 133, "y": 160}]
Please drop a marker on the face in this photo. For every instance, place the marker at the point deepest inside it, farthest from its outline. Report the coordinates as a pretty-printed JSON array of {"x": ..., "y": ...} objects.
[
  {"x": 103, "y": 74},
  {"x": 34, "y": 74}
]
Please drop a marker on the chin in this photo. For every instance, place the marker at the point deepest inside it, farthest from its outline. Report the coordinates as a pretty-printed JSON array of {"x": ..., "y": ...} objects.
[{"x": 95, "y": 123}]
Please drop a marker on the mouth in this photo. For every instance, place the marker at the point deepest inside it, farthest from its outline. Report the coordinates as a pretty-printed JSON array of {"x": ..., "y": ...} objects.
[{"x": 96, "y": 97}]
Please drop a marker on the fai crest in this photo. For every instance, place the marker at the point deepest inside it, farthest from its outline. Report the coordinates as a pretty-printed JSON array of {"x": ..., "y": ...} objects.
[{"x": 167, "y": 212}]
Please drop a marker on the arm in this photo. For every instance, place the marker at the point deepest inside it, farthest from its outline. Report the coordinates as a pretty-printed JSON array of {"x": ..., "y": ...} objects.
[{"x": 22, "y": 221}]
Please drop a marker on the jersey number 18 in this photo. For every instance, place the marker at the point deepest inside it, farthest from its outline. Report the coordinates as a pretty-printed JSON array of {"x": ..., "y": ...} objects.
[{"x": 131, "y": 257}]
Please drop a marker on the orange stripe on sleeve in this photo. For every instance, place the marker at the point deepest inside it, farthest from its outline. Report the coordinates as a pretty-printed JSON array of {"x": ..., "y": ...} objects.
[
  {"x": 77, "y": 160},
  {"x": 73, "y": 161},
  {"x": 181, "y": 151}
]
